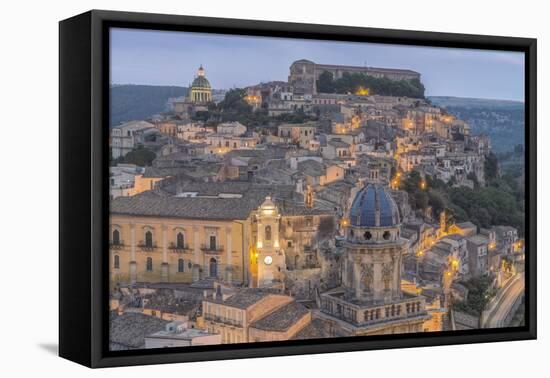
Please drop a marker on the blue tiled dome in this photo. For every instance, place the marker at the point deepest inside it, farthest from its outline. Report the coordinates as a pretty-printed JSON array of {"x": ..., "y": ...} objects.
[{"x": 374, "y": 207}]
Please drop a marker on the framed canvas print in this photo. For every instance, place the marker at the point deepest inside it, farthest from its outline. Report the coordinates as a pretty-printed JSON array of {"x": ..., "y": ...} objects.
[{"x": 234, "y": 188}]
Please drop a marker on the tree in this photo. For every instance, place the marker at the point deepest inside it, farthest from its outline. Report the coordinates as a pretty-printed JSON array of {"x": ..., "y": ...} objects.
[
  {"x": 491, "y": 167},
  {"x": 140, "y": 156},
  {"x": 351, "y": 82},
  {"x": 325, "y": 83}
]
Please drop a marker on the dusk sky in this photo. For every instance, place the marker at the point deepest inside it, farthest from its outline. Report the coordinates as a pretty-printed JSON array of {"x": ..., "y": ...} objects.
[{"x": 172, "y": 58}]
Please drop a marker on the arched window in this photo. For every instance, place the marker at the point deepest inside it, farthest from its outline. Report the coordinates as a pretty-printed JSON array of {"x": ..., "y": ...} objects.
[
  {"x": 367, "y": 235},
  {"x": 149, "y": 266},
  {"x": 180, "y": 240},
  {"x": 180, "y": 266},
  {"x": 149, "y": 239},
  {"x": 117, "y": 262},
  {"x": 386, "y": 235},
  {"x": 116, "y": 237},
  {"x": 267, "y": 232},
  {"x": 213, "y": 267}
]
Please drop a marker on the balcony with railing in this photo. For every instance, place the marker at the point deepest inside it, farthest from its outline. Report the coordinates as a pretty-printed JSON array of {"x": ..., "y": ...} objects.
[
  {"x": 147, "y": 247},
  {"x": 116, "y": 245},
  {"x": 179, "y": 248},
  {"x": 212, "y": 249},
  {"x": 365, "y": 315}
]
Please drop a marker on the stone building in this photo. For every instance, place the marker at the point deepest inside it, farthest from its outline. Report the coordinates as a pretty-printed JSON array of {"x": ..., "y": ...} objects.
[
  {"x": 232, "y": 314},
  {"x": 370, "y": 300},
  {"x": 301, "y": 133},
  {"x": 157, "y": 239},
  {"x": 177, "y": 334},
  {"x": 187, "y": 231},
  {"x": 125, "y": 137},
  {"x": 305, "y": 73}
]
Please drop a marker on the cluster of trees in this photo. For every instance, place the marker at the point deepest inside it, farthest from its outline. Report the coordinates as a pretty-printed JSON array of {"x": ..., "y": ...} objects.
[
  {"x": 139, "y": 156},
  {"x": 480, "y": 292},
  {"x": 352, "y": 82},
  {"x": 501, "y": 202},
  {"x": 234, "y": 107}
]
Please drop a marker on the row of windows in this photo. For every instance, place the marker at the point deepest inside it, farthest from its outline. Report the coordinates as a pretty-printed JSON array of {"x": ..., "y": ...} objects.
[
  {"x": 149, "y": 264},
  {"x": 180, "y": 239},
  {"x": 368, "y": 236}
]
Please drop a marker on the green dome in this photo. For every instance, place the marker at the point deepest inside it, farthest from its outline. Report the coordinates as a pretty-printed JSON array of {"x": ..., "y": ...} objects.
[{"x": 200, "y": 82}]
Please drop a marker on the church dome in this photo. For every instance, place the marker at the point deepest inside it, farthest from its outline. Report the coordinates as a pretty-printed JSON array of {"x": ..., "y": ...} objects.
[
  {"x": 373, "y": 206},
  {"x": 201, "y": 81}
]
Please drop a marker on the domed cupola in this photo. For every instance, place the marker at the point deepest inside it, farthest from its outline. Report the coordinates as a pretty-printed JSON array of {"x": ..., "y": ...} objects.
[
  {"x": 373, "y": 217},
  {"x": 201, "y": 90},
  {"x": 201, "y": 81},
  {"x": 374, "y": 207}
]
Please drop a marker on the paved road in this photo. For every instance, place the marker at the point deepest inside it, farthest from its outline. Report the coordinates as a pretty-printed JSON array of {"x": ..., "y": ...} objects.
[{"x": 495, "y": 317}]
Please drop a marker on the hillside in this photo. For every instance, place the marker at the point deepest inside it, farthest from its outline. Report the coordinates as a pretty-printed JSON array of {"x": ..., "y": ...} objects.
[
  {"x": 130, "y": 102},
  {"x": 502, "y": 120}
]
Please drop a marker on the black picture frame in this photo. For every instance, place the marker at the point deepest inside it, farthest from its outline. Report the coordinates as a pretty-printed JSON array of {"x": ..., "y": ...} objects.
[{"x": 84, "y": 199}]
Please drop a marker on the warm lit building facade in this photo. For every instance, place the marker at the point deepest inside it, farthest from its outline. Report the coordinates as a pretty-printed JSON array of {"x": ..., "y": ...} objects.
[
  {"x": 178, "y": 239},
  {"x": 228, "y": 231},
  {"x": 301, "y": 133},
  {"x": 231, "y": 315}
]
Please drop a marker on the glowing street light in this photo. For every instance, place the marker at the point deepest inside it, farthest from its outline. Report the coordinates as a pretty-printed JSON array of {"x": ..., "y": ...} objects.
[{"x": 423, "y": 184}]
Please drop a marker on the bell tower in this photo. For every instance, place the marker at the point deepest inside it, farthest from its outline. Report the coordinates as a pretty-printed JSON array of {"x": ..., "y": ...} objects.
[{"x": 270, "y": 257}]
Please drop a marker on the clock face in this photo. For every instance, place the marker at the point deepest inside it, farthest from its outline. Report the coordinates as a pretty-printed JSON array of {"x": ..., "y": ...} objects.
[{"x": 268, "y": 260}]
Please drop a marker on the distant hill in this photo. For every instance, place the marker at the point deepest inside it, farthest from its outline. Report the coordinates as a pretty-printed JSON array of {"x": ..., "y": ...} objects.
[
  {"x": 132, "y": 102},
  {"x": 502, "y": 120},
  {"x": 464, "y": 102}
]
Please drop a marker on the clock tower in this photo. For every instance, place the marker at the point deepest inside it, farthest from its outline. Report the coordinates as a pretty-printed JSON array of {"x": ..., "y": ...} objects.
[{"x": 270, "y": 258}]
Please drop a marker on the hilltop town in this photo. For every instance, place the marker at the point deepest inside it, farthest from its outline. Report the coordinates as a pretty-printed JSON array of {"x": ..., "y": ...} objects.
[{"x": 330, "y": 204}]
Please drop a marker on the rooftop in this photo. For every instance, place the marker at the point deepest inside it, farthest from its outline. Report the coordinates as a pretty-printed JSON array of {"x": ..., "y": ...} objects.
[
  {"x": 129, "y": 329},
  {"x": 283, "y": 318},
  {"x": 243, "y": 298}
]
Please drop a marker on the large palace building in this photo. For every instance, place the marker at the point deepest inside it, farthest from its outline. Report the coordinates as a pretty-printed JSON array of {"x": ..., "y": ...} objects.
[
  {"x": 370, "y": 300},
  {"x": 232, "y": 231},
  {"x": 305, "y": 73}
]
